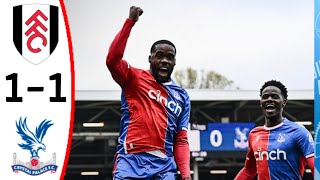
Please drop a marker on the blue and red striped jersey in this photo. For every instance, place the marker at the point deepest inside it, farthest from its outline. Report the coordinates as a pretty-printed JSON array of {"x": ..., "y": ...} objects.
[
  {"x": 280, "y": 152},
  {"x": 152, "y": 113}
]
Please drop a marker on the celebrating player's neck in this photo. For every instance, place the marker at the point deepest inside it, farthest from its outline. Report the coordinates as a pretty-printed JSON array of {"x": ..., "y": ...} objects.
[{"x": 273, "y": 120}]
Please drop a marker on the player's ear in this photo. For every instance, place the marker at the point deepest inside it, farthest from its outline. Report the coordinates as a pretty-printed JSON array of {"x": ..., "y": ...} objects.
[
  {"x": 149, "y": 58},
  {"x": 284, "y": 103}
]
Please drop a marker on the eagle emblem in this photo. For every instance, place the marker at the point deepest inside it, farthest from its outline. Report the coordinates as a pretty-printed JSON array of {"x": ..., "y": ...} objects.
[
  {"x": 33, "y": 140},
  {"x": 241, "y": 140}
]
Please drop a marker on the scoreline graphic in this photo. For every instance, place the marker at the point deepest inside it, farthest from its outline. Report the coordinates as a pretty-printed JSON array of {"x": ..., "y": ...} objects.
[{"x": 36, "y": 89}]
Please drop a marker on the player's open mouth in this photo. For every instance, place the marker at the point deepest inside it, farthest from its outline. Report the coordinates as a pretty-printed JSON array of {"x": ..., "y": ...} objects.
[
  {"x": 163, "y": 72},
  {"x": 270, "y": 107}
]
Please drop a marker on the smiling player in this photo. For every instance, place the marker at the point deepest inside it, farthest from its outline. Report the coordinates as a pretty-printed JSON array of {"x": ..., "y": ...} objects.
[
  {"x": 155, "y": 112},
  {"x": 280, "y": 148}
]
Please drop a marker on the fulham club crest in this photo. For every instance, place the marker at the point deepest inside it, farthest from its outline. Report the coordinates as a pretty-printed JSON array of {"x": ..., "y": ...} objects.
[{"x": 35, "y": 31}]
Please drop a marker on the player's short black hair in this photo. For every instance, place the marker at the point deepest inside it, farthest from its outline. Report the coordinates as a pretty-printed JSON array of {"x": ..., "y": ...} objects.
[
  {"x": 277, "y": 84},
  {"x": 163, "y": 41}
]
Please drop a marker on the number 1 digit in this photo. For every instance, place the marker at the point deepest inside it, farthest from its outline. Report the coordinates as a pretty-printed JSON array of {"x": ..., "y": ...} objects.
[
  {"x": 58, "y": 97},
  {"x": 14, "y": 97}
]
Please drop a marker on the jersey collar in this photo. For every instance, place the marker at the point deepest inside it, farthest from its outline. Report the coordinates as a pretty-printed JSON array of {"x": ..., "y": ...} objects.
[
  {"x": 273, "y": 127},
  {"x": 167, "y": 83}
]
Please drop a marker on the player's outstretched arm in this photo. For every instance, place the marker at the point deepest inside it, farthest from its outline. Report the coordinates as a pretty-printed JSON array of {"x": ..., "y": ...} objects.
[
  {"x": 117, "y": 67},
  {"x": 117, "y": 47}
]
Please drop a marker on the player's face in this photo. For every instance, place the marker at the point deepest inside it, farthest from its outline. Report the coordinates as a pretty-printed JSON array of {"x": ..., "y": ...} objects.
[
  {"x": 272, "y": 102},
  {"x": 162, "y": 62}
]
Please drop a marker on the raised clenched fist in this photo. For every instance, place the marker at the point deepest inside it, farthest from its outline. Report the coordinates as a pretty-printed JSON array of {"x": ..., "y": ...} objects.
[{"x": 134, "y": 13}]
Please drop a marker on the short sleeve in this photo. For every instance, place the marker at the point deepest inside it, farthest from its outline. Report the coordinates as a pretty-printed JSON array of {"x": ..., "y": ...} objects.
[
  {"x": 305, "y": 142},
  {"x": 185, "y": 114}
]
